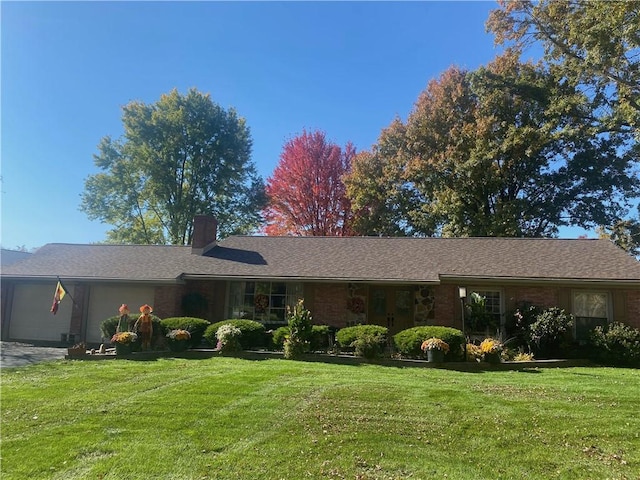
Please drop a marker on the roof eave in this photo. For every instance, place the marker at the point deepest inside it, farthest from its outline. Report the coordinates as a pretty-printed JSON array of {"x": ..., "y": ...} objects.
[{"x": 602, "y": 282}]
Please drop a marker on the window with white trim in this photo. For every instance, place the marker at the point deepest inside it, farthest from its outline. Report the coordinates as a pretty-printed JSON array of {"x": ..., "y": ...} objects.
[
  {"x": 492, "y": 300},
  {"x": 591, "y": 309},
  {"x": 264, "y": 302}
]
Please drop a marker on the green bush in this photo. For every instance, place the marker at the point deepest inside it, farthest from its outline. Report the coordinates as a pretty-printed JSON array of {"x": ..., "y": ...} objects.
[
  {"x": 369, "y": 345},
  {"x": 297, "y": 342},
  {"x": 320, "y": 338},
  {"x": 549, "y": 332},
  {"x": 616, "y": 344},
  {"x": 408, "y": 342},
  {"x": 278, "y": 337},
  {"x": 348, "y": 335},
  {"x": 195, "y": 326},
  {"x": 253, "y": 333}
]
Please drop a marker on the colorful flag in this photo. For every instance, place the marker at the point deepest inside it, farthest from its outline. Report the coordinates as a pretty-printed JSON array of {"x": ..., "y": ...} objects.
[{"x": 57, "y": 296}]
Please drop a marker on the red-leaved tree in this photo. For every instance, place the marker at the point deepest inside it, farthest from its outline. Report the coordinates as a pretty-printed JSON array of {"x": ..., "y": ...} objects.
[{"x": 306, "y": 195}]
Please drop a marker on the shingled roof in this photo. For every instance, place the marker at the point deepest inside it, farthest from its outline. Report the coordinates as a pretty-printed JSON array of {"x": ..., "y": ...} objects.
[{"x": 341, "y": 259}]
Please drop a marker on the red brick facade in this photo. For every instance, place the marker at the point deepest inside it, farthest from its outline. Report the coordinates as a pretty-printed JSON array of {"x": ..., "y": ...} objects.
[
  {"x": 328, "y": 303},
  {"x": 633, "y": 308}
]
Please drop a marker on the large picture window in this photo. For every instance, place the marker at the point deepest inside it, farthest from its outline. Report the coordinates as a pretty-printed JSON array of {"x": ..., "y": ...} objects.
[
  {"x": 591, "y": 309},
  {"x": 264, "y": 302}
]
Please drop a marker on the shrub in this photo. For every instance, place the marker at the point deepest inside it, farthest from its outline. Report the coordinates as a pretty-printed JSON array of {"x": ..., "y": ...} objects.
[
  {"x": 369, "y": 345},
  {"x": 517, "y": 325},
  {"x": 548, "y": 332},
  {"x": 320, "y": 338},
  {"x": 195, "y": 326},
  {"x": 617, "y": 344},
  {"x": 228, "y": 338},
  {"x": 348, "y": 335},
  {"x": 278, "y": 336},
  {"x": 253, "y": 333},
  {"x": 297, "y": 342},
  {"x": 408, "y": 342}
]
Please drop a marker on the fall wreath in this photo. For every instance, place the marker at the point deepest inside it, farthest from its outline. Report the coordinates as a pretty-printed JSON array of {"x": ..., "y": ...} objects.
[
  {"x": 355, "y": 305},
  {"x": 261, "y": 302}
]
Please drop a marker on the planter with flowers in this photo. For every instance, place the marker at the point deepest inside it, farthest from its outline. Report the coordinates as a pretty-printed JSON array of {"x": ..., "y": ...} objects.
[
  {"x": 124, "y": 342},
  {"x": 178, "y": 340},
  {"x": 491, "y": 349},
  {"x": 435, "y": 348}
]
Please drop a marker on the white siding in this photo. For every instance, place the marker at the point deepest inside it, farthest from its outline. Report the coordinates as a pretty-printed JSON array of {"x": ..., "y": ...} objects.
[
  {"x": 104, "y": 301},
  {"x": 31, "y": 318}
]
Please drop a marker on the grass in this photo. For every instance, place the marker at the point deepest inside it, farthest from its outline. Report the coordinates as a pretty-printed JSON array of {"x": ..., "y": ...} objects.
[{"x": 226, "y": 418}]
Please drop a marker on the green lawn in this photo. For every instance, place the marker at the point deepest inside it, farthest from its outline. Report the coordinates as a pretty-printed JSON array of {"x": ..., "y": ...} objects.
[{"x": 229, "y": 418}]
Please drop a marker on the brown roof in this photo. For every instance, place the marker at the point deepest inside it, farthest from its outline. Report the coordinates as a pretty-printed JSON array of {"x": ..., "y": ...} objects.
[{"x": 340, "y": 258}]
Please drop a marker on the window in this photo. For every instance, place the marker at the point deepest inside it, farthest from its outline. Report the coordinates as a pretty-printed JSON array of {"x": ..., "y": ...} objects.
[
  {"x": 486, "y": 311},
  {"x": 591, "y": 309},
  {"x": 264, "y": 302}
]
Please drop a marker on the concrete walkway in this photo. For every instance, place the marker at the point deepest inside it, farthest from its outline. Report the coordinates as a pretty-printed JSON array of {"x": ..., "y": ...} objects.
[{"x": 13, "y": 354}]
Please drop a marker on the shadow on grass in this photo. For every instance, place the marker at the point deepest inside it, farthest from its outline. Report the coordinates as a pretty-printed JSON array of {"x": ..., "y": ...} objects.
[{"x": 350, "y": 360}]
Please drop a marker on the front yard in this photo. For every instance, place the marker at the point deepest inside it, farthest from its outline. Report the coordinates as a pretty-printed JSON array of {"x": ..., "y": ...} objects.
[{"x": 228, "y": 418}]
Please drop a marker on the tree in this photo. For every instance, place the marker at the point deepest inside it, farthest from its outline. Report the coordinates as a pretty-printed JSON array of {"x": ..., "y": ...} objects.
[
  {"x": 181, "y": 156},
  {"x": 382, "y": 201},
  {"x": 625, "y": 234},
  {"x": 497, "y": 152},
  {"x": 591, "y": 45},
  {"x": 306, "y": 194}
]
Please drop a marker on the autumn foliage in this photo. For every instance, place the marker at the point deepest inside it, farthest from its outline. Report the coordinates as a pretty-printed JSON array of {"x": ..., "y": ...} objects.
[{"x": 306, "y": 194}]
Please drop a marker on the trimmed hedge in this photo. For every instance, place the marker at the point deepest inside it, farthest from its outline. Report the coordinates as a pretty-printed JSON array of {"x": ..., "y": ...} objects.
[
  {"x": 195, "y": 326},
  {"x": 253, "y": 333},
  {"x": 408, "y": 341},
  {"x": 348, "y": 335}
]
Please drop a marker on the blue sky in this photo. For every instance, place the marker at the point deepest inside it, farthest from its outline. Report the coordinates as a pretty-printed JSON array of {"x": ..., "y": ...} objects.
[{"x": 67, "y": 69}]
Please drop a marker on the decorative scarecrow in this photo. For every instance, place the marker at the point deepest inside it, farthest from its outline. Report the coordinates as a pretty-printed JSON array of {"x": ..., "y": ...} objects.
[
  {"x": 144, "y": 326},
  {"x": 123, "y": 323}
]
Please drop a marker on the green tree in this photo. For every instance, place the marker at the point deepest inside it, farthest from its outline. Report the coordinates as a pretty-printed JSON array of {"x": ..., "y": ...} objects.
[
  {"x": 497, "y": 152},
  {"x": 181, "y": 156},
  {"x": 589, "y": 44}
]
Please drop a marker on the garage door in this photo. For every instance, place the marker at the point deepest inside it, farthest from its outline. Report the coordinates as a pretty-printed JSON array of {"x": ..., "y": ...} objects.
[
  {"x": 104, "y": 301},
  {"x": 31, "y": 318}
]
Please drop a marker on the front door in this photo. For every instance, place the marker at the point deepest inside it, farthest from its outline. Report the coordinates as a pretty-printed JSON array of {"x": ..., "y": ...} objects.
[{"x": 391, "y": 307}]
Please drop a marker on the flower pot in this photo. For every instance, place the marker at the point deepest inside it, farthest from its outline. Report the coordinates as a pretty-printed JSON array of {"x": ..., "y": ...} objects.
[
  {"x": 492, "y": 357},
  {"x": 435, "y": 356},
  {"x": 178, "y": 345},
  {"x": 123, "y": 348}
]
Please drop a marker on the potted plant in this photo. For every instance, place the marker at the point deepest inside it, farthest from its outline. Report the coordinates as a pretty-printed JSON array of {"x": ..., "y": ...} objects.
[
  {"x": 491, "y": 349},
  {"x": 435, "y": 348},
  {"x": 178, "y": 340},
  {"x": 124, "y": 342}
]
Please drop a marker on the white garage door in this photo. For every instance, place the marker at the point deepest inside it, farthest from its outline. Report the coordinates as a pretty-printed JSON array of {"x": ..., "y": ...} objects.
[
  {"x": 31, "y": 318},
  {"x": 104, "y": 301}
]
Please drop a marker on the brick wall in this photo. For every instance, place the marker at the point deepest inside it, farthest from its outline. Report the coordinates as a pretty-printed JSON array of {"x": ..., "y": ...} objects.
[
  {"x": 544, "y": 297},
  {"x": 447, "y": 306},
  {"x": 329, "y": 304},
  {"x": 167, "y": 301},
  {"x": 633, "y": 308}
]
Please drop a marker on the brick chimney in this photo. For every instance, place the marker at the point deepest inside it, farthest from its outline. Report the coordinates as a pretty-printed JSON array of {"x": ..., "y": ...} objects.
[{"x": 205, "y": 229}]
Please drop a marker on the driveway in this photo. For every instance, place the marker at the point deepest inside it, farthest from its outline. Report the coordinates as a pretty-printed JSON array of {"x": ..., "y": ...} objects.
[{"x": 13, "y": 354}]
